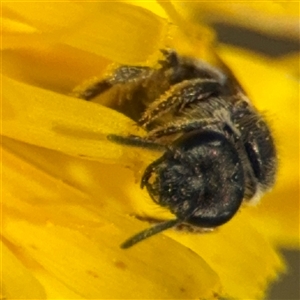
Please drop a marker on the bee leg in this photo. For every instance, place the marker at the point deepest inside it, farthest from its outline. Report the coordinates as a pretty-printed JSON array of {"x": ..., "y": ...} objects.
[
  {"x": 122, "y": 75},
  {"x": 137, "y": 141},
  {"x": 149, "y": 232},
  {"x": 128, "y": 74},
  {"x": 179, "y": 96},
  {"x": 181, "y": 126},
  {"x": 90, "y": 90}
]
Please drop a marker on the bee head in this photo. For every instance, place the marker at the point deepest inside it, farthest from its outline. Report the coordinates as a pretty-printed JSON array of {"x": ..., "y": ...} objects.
[{"x": 200, "y": 179}]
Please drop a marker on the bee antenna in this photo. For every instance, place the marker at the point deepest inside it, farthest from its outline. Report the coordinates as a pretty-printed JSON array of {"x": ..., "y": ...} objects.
[{"x": 149, "y": 232}]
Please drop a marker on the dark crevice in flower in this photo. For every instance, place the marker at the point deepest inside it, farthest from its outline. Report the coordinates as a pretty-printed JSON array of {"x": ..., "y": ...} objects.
[{"x": 255, "y": 41}]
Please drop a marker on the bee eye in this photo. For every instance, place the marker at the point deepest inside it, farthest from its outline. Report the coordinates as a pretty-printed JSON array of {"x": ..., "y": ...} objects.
[
  {"x": 253, "y": 156},
  {"x": 261, "y": 153}
]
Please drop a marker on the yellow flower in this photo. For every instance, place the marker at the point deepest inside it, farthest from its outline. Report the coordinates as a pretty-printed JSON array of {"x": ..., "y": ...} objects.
[{"x": 68, "y": 193}]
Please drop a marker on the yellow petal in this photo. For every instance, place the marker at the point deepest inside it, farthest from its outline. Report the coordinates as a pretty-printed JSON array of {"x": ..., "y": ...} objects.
[
  {"x": 55, "y": 121},
  {"x": 151, "y": 5},
  {"x": 45, "y": 16},
  {"x": 290, "y": 63},
  {"x": 128, "y": 34},
  {"x": 246, "y": 261},
  {"x": 58, "y": 68},
  {"x": 22, "y": 286},
  {"x": 29, "y": 24}
]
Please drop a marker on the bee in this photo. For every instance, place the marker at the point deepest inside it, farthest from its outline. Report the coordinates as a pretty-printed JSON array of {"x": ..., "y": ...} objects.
[{"x": 218, "y": 151}]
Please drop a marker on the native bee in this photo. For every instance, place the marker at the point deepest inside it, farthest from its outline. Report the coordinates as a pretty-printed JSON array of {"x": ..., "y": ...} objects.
[{"x": 218, "y": 149}]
